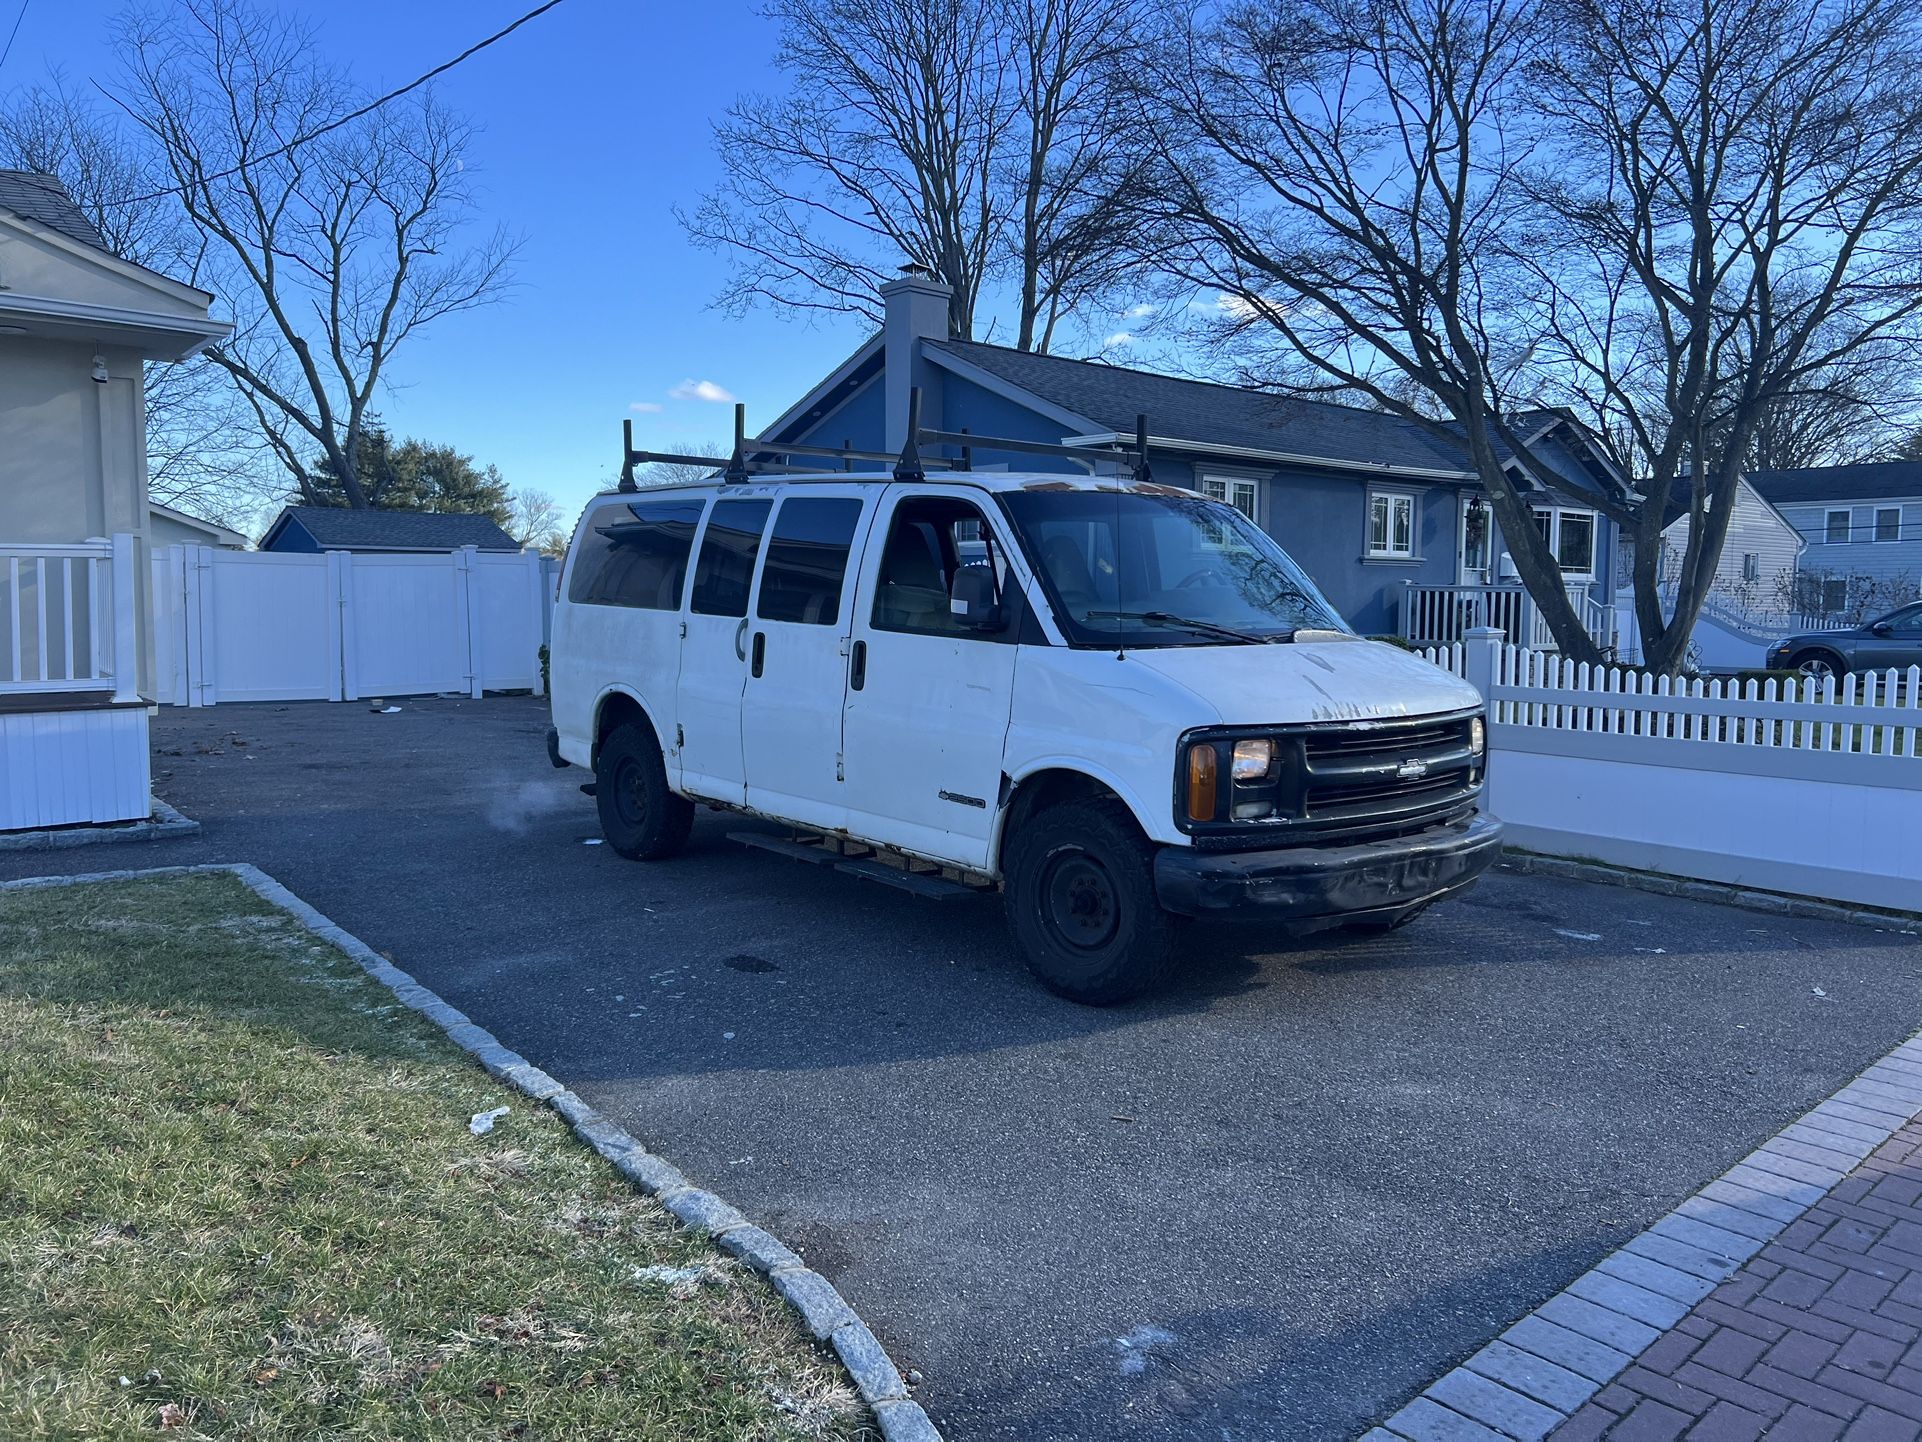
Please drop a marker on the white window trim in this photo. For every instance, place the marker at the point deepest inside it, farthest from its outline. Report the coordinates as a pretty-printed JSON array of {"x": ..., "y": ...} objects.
[
  {"x": 1227, "y": 480},
  {"x": 1829, "y": 515},
  {"x": 1393, "y": 493},
  {"x": 1555, "y": 535},
  {"x": 1875, "y": 526}
]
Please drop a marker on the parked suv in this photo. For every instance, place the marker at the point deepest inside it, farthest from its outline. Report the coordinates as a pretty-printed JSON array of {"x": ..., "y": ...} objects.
[
  {"x": 1894, "y": 640},
  {"x": 1122, "y": 703}
]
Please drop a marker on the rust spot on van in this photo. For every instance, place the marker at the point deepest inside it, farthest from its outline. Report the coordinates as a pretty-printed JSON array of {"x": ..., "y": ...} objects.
[
  {"x": 1049, "y": 486},
  {"x": 1156, "y": 488}
]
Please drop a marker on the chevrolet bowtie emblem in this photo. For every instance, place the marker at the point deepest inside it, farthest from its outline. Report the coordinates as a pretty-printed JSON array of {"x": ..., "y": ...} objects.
[{"x": 1409, "y": 770}]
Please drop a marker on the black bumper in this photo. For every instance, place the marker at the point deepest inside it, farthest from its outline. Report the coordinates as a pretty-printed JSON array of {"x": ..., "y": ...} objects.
[
  {"x": 554, "y": 748},
  {"x": 1335, "y": 883}
]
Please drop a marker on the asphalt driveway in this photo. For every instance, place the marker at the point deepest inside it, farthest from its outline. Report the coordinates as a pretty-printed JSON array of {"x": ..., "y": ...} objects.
[{"x": 1271, "y": 1203}]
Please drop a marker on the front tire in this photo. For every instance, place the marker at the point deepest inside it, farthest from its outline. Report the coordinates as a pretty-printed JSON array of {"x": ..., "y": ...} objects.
[
  {"x": 640, "y": 817},
  {"x": 1080, "y": 894},
  {"x": 1818, "y": 666}
]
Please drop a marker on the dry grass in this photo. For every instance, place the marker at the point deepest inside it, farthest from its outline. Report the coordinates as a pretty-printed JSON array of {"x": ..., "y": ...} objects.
[{"x": 239, "y": 1198}]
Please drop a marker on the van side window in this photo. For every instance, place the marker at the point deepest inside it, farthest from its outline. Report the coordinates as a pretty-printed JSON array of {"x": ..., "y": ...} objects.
[
  {"x": 635, "y": 555},
  {"x": 728, "y": 549},
  {"x": 929, "y": 538},
  {"x": 807, "y": 558}
]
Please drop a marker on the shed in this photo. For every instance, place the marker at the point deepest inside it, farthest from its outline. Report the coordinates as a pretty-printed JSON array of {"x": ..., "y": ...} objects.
[{"x": 312, "y": 529}]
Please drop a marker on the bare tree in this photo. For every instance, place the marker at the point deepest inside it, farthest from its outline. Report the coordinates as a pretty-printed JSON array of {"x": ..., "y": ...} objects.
[
  {"x": 1343, "y": 172},
  {"x": 1735, "y": 211},
  {"x": 669, "y": 473},
  {"x": 1852, "y": 410},
  {"x": 204, "y": 453},
  {"x": 536, "y": 520},
  {"x": 331, "y": 252},
  {"x": 883, "y": 151}
]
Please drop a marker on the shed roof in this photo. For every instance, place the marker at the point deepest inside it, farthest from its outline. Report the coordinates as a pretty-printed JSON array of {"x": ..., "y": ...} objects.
[{"x": 337, "y": 528}]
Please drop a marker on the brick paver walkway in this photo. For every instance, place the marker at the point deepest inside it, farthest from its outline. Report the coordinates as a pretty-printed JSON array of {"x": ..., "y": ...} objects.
[{"x": 1818, "y": 1336}]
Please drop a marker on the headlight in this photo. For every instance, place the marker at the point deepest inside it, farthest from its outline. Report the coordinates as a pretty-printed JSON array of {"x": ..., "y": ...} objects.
[
  {"x": 1477, "y": 737},
  {"x": 1254, "y": 759}
]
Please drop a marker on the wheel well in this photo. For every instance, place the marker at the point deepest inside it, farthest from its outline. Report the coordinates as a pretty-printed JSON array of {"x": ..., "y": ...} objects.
[
  {"x": 1806, "y": 652},
  {"x": 617, "y": 709},
  {"x": 1049, "y": 788}
]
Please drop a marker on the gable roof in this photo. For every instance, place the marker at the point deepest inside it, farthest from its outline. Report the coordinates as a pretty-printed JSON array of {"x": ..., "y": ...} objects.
[
  {"x": 41, "y": 197},
  {"x": 337, "y": 528},
  {"x": 1209, "y": 413},
  {"x": 1862, "y": 481}
]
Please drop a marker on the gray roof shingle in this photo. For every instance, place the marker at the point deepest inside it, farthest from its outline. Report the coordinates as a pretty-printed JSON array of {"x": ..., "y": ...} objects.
[
  {"x": 40, "y": 197},
  {"x": 1207, "y": 412},
  {"x": 1863, "y": 481},
  {"x": 338, "y": 528}
]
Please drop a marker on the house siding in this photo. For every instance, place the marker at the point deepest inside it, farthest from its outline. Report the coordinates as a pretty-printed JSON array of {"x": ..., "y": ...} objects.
[
  {"x": 1754, "y": 529},
  {"x": 1890, "y": 570},
  {"x": 294, "y": 537}
]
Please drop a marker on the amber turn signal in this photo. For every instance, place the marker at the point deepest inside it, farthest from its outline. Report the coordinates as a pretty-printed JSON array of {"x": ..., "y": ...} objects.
[{"x": 1201, "y": 782}]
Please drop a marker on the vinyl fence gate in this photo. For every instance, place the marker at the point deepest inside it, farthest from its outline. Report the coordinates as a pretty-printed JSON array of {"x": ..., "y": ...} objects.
[{"x": 274, "y": 626}]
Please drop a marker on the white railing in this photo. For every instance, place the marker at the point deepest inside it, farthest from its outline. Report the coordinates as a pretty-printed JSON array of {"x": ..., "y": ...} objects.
[
  {"x": 1440, "y": 615},
  {"x": 67, "y": 618},
  {"x": 1780, "y": 785}
]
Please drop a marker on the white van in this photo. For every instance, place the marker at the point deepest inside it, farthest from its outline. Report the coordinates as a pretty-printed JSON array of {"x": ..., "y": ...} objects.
[{"x": 1120, "y": 702}]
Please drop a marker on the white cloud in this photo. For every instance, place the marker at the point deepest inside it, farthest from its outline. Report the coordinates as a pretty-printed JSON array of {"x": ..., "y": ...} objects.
[
  {"x": 1120, "y": 337},
  {"x": 693, "y": 390},
  {"x": 1136, "y": 312},
  {"x": 1228, "y": 307},
  {"x": 647, "y": 408}
]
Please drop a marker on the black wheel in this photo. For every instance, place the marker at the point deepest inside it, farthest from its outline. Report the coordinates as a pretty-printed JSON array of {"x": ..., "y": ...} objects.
[
  {"x": 1819, "y": 665},
  {"x": 1080, "y": 893},
  {"x": 640, "y": 817}
]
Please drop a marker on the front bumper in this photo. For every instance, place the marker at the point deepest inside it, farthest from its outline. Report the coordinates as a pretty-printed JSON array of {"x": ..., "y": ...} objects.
[{"x": 1329, "y": 883}]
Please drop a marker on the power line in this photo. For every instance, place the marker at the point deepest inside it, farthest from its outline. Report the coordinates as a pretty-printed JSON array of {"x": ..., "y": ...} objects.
[
  {"x": 319, "y": 131},
  {"x": 13, "y": 34}
]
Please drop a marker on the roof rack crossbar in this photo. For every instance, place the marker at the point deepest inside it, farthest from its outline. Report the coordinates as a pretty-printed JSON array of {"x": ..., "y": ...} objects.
[{"x": 969, "y": 441}]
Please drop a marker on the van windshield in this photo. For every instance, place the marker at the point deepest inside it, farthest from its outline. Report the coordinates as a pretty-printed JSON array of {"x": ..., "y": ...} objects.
[{"x": 1163, "y": 570}]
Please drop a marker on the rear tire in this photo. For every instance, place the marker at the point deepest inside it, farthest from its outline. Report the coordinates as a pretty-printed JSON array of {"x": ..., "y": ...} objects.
[
  {"x": 1080, "y": 892},
  {"x": 640, "y": 817}
]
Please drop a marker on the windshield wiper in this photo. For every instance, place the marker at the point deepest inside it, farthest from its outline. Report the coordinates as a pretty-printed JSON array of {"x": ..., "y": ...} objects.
[{"x": 1166, "y": 618}]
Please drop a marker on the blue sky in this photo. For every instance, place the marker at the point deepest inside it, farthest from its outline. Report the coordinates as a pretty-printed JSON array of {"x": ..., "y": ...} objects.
[{"x": 595, "y": 124}]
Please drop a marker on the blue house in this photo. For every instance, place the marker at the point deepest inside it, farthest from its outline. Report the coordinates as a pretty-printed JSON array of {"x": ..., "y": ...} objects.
[
  {"x": 1385, "y": 515},
  {"x": 1862, "y": 525}
]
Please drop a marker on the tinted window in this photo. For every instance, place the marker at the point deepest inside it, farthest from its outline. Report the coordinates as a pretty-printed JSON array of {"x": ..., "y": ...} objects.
[
  {"x": 807, "y": 556},
  {"x": 635, "y": 555},
  {"x": 728, "y": 548}
]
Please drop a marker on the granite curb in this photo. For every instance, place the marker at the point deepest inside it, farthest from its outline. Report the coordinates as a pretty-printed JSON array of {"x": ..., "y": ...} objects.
[
  {"x": 163, "y": 821},
  {"x": 824, "y": 1311}
]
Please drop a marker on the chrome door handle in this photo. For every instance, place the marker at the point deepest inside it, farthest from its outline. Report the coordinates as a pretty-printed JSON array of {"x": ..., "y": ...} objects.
[{"x": 740, "y": 635}]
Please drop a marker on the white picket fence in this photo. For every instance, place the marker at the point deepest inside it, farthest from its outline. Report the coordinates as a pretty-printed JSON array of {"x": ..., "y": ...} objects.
[
  {"x": 272, "y": 626},
  {"x": 1799, "y": 787}
]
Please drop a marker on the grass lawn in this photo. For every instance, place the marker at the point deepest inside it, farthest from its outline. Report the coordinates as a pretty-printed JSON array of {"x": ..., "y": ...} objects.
[{"x": 239, "y": 1198}]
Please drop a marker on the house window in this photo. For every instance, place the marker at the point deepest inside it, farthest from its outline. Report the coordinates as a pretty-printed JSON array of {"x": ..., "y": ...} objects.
[
  {"x": 1837, "y": 532},
  {"x": 1751, "y": 566},
  {"x": 1391, "y": 525},
  {"x": 1571, "y": 537},
  {"x": 1243, "y": 495},
  {"x": 1835, "y": 594},
  {"x": 1888, "y": 523}
]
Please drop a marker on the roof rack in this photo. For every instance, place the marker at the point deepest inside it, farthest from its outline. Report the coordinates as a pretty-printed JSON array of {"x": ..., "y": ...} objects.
[{"x": 756, "y": 455}]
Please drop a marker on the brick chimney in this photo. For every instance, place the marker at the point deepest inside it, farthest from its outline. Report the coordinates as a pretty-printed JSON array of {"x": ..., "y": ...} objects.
[{"x": 914, "y": 309}]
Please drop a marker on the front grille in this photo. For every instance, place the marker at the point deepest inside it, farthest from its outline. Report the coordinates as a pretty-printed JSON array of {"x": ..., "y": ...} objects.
[{"x": 1349, "y": 781}]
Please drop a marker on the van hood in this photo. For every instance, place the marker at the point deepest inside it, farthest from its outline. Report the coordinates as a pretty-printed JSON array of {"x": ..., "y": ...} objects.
[{"x": 1307, "y": 681}]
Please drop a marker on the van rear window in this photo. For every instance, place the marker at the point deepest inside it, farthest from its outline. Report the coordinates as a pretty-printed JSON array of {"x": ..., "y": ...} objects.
[
  {"x": 635, "y": 555},
  {"x": 728, "y": 548},
  {"x": 807, "y": 558}
]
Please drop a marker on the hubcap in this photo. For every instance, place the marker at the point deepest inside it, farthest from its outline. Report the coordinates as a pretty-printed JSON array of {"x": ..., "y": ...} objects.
[
  {"x": 1816, "y": 666},
  {"x": 1078, "y": 901},
  {"x": 630, "y": 792}
]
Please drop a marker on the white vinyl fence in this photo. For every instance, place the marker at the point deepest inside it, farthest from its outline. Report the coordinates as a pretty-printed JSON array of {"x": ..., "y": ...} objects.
[
  {"x": 271, "y": 626},
  {"x": 1796, "y": 787}
]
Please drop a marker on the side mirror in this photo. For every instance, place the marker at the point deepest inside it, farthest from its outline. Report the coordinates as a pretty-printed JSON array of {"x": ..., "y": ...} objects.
[
  {"x": 971, "y": 599},
  {"x": 1882, "y": 628}
]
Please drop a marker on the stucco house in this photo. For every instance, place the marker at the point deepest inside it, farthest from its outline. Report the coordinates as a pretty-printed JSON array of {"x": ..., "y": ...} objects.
[
  {"x": 78, "y": 325},
  {"x": 1862, "y": 527},
  {"x": 1385, "y": 515}
]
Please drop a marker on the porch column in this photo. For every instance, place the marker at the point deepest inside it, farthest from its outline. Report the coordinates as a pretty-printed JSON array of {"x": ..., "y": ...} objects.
[{"x": 126, "y": 627}]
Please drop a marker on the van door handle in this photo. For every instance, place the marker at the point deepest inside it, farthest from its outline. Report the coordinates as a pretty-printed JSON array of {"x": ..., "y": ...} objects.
[
  {"x": 740, "y": 637},
  {"x": 760, "y": 650},
  {"x": 858, "y": 666}
]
